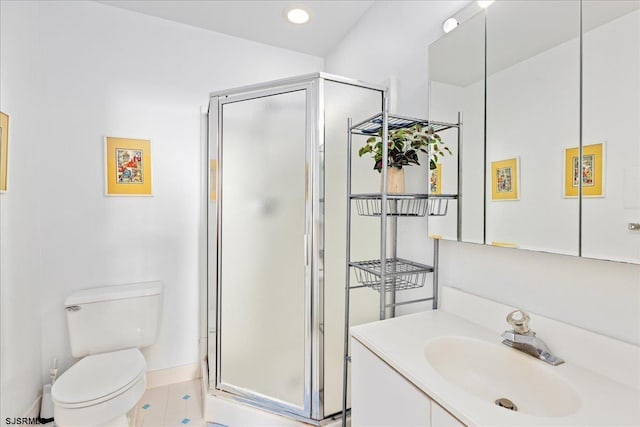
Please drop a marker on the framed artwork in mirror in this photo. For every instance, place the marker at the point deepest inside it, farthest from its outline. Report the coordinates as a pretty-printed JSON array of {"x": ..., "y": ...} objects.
[
  {"x": 128, "y": 164},
  {"x": 505, "y": 180},
  {"x": 4, "y": 150},
  {"x": 591, "y": 172},
  {"x": 435, "y": 180}
]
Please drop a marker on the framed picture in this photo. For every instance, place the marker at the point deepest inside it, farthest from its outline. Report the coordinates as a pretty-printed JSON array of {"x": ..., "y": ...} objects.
[
  {"x": 4, "y": 150},
  {"x": 505, "y": 180},
  {"x": 435, "y": 180},
  {"x": 128, "y": 164},
  {"x": 591, "y": 172}
]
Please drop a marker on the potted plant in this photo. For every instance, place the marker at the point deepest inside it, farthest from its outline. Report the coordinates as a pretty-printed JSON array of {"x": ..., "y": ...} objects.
[{"x": 404, "y": 146}]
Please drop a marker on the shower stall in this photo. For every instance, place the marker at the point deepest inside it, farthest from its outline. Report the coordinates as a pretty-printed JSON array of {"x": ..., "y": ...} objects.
[{"x": 277, "y": 160}]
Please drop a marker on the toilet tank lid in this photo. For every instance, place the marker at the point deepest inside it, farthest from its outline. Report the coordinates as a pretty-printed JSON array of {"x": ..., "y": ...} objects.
[{"x": 115, "y": 292}]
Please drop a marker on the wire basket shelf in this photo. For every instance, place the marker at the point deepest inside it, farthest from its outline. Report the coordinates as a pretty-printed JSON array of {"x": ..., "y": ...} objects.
[
  {"x": 409, "y": 205},
  {"x": 372, "y": 125},
  {"x": 437, "y": 207},
  {"x": 403, "y": 207},
  {"x": 400, "y": 274}
]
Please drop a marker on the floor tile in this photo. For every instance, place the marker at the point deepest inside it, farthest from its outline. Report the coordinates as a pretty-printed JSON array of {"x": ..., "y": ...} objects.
[
  {"x": 184, "y": 406},
  {"x": 150, "y": 410}
]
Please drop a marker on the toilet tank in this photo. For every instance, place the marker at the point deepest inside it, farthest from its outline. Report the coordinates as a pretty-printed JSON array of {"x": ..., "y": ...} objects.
[{"x": 113, "y": 318}]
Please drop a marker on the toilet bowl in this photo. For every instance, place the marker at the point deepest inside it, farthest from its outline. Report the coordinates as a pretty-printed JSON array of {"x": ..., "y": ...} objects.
[
  {"x": 106, "y": 328},
  {"x": 99, "y": 386}
]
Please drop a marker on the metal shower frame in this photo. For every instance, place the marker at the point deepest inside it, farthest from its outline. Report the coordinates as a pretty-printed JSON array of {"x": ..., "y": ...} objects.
[{"x": 313, "y": 409}]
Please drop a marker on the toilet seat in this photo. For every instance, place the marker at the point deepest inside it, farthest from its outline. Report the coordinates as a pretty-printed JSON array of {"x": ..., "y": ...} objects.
[{"x": 99, "y": 378}]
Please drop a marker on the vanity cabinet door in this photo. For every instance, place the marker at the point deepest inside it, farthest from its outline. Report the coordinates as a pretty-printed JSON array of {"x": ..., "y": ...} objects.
[
  {"x": 382, "y": 397},
  {"x": 441, "y": 418}
]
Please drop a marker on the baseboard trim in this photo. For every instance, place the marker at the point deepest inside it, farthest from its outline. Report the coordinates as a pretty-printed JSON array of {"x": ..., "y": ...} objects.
[
  {"x": 176, "y": 374},
  {"x": 34, "y": 409}
]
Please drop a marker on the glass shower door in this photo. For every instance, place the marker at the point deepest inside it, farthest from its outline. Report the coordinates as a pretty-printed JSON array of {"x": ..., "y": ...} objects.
[{"x": 264, "y": 349}]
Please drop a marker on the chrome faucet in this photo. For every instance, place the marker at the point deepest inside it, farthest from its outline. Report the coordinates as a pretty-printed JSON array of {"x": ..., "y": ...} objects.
[{"x": 523, "y": 339}]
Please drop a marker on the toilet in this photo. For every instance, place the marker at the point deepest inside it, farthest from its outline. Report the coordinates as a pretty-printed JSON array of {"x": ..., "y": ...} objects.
[{"x": 107, "y": 327}]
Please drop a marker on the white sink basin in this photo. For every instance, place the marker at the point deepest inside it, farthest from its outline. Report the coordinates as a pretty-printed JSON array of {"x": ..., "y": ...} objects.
[{"x": 492, "y": 371}]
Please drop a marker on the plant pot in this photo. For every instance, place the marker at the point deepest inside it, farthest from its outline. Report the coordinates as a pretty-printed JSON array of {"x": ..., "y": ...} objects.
[{"x": 395, "y": 181}]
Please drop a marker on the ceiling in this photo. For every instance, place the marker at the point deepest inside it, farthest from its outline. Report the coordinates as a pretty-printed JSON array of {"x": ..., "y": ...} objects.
[{"x": 260, "y": 21}]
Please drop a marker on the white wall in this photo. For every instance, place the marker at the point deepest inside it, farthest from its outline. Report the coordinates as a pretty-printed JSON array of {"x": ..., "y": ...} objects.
[
  {"x": 391, "y": 39},
  {"x": 597, "y": 295},
  {"x": 100, "y": 71},
  {"x": 20, "y": 260},
  {"x": 601, "y": 296}
]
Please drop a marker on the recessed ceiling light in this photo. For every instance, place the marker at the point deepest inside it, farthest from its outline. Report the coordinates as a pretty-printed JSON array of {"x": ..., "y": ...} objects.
[
  {"x": 450, "y": 24},
  {"x": 297, "y": 15},
  {"x": 485, "y": 3}
]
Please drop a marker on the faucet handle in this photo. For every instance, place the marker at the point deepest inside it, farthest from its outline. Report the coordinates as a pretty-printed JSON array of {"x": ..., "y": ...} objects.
[{"x": 519, "y": 320}]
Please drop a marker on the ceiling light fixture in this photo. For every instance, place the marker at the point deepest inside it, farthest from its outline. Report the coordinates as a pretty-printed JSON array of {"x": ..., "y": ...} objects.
[
  {"x": 450, "y": 24},
  {"x": 485, "y": 3},
  {"x": 297, "y": 15}
]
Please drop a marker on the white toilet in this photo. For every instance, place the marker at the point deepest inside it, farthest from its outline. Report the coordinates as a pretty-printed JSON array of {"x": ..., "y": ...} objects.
[{"x": 107, "y": 326}]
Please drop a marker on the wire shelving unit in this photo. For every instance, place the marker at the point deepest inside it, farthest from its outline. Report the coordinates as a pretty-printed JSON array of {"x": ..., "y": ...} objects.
[{"x": 389, "y": 274}]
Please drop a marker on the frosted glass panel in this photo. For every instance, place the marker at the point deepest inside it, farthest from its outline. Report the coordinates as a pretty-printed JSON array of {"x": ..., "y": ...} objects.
[{"x": 262, "y": 259}]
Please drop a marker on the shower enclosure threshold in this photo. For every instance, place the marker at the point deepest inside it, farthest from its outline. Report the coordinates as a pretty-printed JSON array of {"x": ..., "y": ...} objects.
[{"x": 223, "y": 408}]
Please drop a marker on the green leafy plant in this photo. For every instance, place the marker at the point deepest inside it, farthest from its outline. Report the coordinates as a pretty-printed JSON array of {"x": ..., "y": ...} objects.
[{"x": 404, "y": 146}]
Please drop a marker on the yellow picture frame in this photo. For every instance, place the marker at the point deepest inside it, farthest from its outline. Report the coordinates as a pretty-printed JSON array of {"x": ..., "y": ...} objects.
[
  {"x": 435, "y": 180},
  {"x": 505, "y": 179},
  {"x": 128, "y": 166},
  {"x": 592, "y": 171},
  {"x": 4, "y": 151}
]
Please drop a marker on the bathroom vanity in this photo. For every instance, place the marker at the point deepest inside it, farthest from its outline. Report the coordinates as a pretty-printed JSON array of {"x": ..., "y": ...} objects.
[
  {"x": 377, "y": 388},
  {"x": 449, "y": 368}
]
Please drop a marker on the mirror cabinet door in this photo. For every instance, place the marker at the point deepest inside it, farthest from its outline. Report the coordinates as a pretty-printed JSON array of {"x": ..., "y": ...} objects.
[
  {"x": 456, "y": 72},
  {"x": 533, "y": 118},
  {"x": 559, "y": 171},
  {"x": 611, "y": 129}
]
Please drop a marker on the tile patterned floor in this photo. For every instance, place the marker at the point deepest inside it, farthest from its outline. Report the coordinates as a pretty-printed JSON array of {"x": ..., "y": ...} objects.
[
  {"x": 175, "y": 405},
  {"x": 172, "y": 405}
]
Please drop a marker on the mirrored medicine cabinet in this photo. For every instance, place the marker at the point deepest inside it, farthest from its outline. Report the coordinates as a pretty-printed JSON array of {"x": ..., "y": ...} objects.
[{"x": 549, "y": 94}]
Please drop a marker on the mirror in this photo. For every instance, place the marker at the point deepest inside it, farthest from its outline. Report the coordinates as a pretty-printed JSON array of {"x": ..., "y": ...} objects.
[
  {"x": 611, "y": 128},
  {"x": 533, "y": 116},
  {"x": 456, "y": 70},
  {"x": 561, "y": 171}
]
